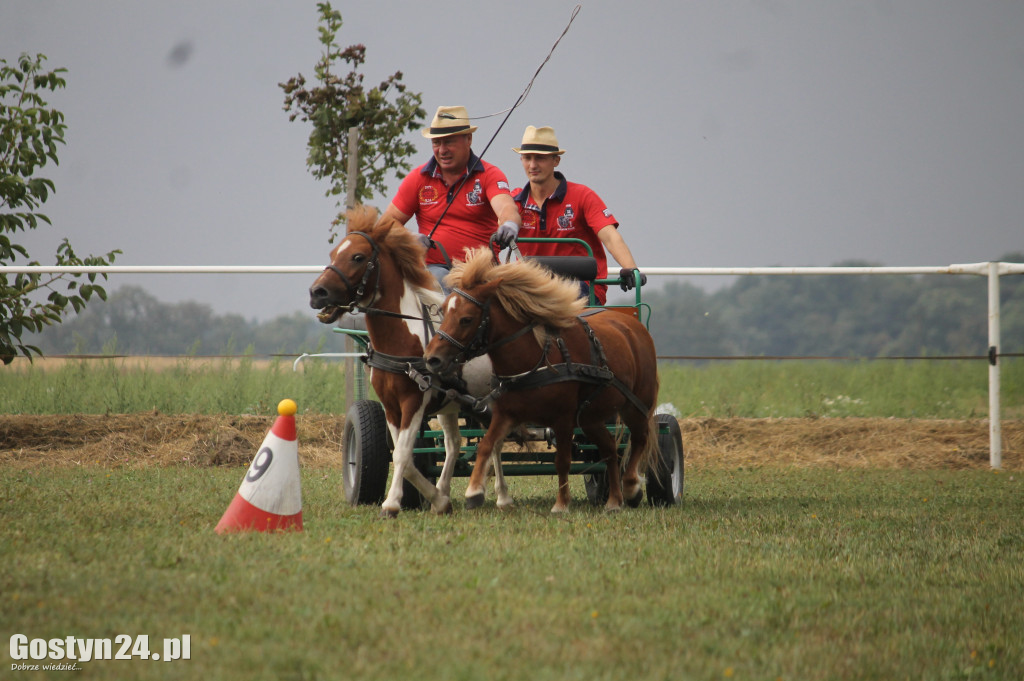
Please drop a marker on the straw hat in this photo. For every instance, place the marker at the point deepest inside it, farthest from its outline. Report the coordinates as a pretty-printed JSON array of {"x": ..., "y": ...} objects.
[
  {"x": 539, "y": 141},
  {"x": 449, "y": 120}
]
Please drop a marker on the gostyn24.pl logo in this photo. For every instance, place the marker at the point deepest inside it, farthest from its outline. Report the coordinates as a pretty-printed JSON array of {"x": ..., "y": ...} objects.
[{"x": 67, "y": 652}]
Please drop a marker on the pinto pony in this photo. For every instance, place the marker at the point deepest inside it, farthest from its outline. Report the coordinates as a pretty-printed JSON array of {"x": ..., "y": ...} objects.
[
  {"x": 378, "y": 268},
  {"x": 555, "y": 365}
]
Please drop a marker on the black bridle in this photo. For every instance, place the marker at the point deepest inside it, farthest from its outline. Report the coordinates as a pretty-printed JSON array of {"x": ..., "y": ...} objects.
[
  {"x": 359, "y": 290},
  {"x": 478, "y": 345}
]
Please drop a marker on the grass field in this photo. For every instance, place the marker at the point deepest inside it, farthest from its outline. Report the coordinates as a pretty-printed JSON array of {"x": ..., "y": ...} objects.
[
  {"x": 771, "y": 573},
  {"x": 898, "y": 389},
  {"x": 765, "y": 571}
]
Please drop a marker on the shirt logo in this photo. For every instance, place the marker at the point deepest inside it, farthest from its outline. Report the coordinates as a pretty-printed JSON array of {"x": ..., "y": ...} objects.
[
  {"x": 475, "y": 196},
  {"x": 428, "y": 195},
  {"x": 565, "y": 219},
  {"x": 503, "y": 185},
  {"x": 531, "y": 219}
]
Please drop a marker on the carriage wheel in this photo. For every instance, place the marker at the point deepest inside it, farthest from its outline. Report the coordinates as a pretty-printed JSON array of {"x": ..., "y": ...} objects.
[
  {"x": 411, "y": 497},
  {"x": 665, "y": 483},
  {"x": 596, "y": 485},
  {"x": 366, "y": 453}
]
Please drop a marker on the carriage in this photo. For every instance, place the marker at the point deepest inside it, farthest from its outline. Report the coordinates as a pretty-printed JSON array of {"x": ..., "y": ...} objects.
[{"x": 368, "y": 442}]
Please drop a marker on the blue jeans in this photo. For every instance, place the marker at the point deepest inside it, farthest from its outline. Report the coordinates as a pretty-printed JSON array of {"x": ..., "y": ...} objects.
[{"x": 440, "y": 272}]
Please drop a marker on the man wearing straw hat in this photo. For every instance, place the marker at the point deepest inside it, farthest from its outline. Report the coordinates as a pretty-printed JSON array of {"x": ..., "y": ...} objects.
[
  {"x": 551, "y": 206},
  {"x": 459, "y": 200}
]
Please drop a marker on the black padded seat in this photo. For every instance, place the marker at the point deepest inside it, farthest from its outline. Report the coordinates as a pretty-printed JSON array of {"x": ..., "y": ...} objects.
[{"x": 579, "y": 267}]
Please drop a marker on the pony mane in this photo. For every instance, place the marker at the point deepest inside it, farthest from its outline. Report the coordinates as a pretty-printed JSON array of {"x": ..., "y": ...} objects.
[
  {"x": 402, "y": 245},
  {"x": 528, "y": 291}
]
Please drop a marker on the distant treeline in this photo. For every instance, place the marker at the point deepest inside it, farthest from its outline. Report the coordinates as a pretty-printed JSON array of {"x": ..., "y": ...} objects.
[{"x": 828, "y": 315}]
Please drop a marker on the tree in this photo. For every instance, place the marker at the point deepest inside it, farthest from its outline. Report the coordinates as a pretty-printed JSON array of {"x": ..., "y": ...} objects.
[
  {"x": 338, "y": 104},
  {"x": 29, "y": 135}
]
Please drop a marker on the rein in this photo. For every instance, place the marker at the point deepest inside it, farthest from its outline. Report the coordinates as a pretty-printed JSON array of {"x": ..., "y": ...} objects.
[
  {"x": 543, "y": 373},
  {"x": 478, "y": 345},
  {"x": 412, "y": 366},
  {"x": 360, "y": 289},
  {"x": 371, "y": 267}
]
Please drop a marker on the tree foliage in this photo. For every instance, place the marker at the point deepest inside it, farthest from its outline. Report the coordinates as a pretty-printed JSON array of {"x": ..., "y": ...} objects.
[
  {"x": 833, "y": 316},
  {"x": 338, "y": 103},
  {"x": 837, "y": 316},
  {"x": 29, "y": 134},
  {"x": 134, "y": 322}
]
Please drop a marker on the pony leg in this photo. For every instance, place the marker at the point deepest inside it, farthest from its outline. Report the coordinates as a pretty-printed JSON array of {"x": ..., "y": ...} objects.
[
  {"x": 605, "y": 443},
  {"x": 643, "y": 439},
  {"x": 504, "y": 499},
  {"x": 563, "y": 460},
  {"x": 404, "y": 440},
  {"x": 452, "y": 443},
  {"x": 494, "y": 436}
]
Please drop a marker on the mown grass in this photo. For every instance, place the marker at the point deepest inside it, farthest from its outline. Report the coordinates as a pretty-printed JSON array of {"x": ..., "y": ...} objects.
[
  {"x": 900, "y": 389},
  {"x": 188, "y": 385},
  {"x": 766, "y": 573}
]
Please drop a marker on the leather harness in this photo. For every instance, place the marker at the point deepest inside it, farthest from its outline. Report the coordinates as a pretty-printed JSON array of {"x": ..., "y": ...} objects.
[{"x": 454, "y": 388}]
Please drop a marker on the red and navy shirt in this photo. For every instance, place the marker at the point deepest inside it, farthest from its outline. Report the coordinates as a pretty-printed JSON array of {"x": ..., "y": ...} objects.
[
  {"x": 573, "y": 211},
  {"x": 469, "y": 222}
]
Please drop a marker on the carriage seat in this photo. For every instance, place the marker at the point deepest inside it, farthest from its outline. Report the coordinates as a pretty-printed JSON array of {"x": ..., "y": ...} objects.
[{"x": 578, "y": 267}]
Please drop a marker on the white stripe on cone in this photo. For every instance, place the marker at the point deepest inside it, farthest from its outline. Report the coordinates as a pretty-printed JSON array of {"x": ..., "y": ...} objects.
[{"x": 270, "y": 496}]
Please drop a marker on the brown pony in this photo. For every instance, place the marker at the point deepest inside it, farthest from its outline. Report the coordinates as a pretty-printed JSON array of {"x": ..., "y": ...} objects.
[
  {"x": 574, "y": 368},
  {"x": 378, "y": 268}
]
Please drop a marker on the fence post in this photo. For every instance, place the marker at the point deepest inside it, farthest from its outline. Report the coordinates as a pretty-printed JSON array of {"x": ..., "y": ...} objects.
[
  {"x": 352, "y": 177},
  {"x": 995, "y": 429}
]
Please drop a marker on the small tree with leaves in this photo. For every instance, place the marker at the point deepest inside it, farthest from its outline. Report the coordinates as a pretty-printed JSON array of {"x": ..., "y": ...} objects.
[
  {"x": 338, "y": 103},
  {"x": 29, "y": 135}
]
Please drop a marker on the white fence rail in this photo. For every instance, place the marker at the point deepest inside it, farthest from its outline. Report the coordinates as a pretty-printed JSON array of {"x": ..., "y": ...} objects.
[{"x": 991, "y": 270}]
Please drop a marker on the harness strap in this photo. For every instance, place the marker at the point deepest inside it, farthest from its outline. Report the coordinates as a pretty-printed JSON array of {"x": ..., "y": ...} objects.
[
  {"x": 449, "y": 389},
  {"x": 593, "y": 374},
  {"x": 412, "y": 366}
]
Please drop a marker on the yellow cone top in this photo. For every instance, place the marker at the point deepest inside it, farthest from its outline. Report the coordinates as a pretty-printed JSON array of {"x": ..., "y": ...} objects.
[{"x": 287, "y": 407}]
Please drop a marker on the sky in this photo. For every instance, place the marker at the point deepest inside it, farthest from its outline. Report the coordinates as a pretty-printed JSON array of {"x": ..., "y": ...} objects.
[{"x": 734, "y": 133}]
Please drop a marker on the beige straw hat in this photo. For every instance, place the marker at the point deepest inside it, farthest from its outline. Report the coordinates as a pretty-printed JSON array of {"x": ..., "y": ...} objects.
[
  {"x": 449, "y": 120},
  {"x": 539, "y": 141}
]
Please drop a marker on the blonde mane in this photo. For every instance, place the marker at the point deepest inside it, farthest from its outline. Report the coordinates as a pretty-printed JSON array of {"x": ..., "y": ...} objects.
[
  {"x": 526, "y": 290},
  {"x": 402, "y": 245}
]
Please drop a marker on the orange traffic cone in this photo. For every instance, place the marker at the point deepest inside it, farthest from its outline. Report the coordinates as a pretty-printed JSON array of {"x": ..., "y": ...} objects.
[{"x": 270, "y": 496}]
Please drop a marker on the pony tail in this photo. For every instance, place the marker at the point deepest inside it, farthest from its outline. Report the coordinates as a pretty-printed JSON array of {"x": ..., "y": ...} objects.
[{"x": 649, "y": 455}]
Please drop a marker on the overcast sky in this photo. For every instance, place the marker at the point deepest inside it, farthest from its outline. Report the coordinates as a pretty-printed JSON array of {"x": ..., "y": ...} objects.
[{"x": 726, "y": 133}]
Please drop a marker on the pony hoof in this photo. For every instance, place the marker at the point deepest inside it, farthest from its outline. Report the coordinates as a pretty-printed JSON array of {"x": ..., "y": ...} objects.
[
  {"x": 388, "y": 514},
  {"x": 446, "y": 509},
  {"x": 475, "y": 501},
  {"x": 637, "y": 498}
]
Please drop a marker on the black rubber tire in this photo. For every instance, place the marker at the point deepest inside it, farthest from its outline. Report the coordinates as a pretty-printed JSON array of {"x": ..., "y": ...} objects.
[
  {"x": 596, "y": 485},
  {"x": 665, "y": 482},
  {"x": 366, "y": 452}
]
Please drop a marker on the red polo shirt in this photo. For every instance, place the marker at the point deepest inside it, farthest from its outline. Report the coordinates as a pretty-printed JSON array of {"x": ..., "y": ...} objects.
[
  {"x": 469, "y": 222},
  {"x": 573, "y": 211}
]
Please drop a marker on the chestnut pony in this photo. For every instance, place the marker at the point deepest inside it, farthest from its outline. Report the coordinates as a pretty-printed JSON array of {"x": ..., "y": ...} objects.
[
  {"x": 555, "y": 365},
  {"x": 378, "y": 268}
]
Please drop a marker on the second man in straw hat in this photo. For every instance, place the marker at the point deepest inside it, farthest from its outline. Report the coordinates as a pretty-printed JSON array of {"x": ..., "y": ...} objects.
[
  {"x": 472, "y": 195},
  {"x": 551, "y": 206}
]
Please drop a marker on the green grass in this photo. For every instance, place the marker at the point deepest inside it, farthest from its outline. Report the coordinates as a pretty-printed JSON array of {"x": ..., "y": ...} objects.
[
  {"x": 901, "y": 389},
  {"x": 188, "y": 385},
  {"x": 761, "y": 574}
]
